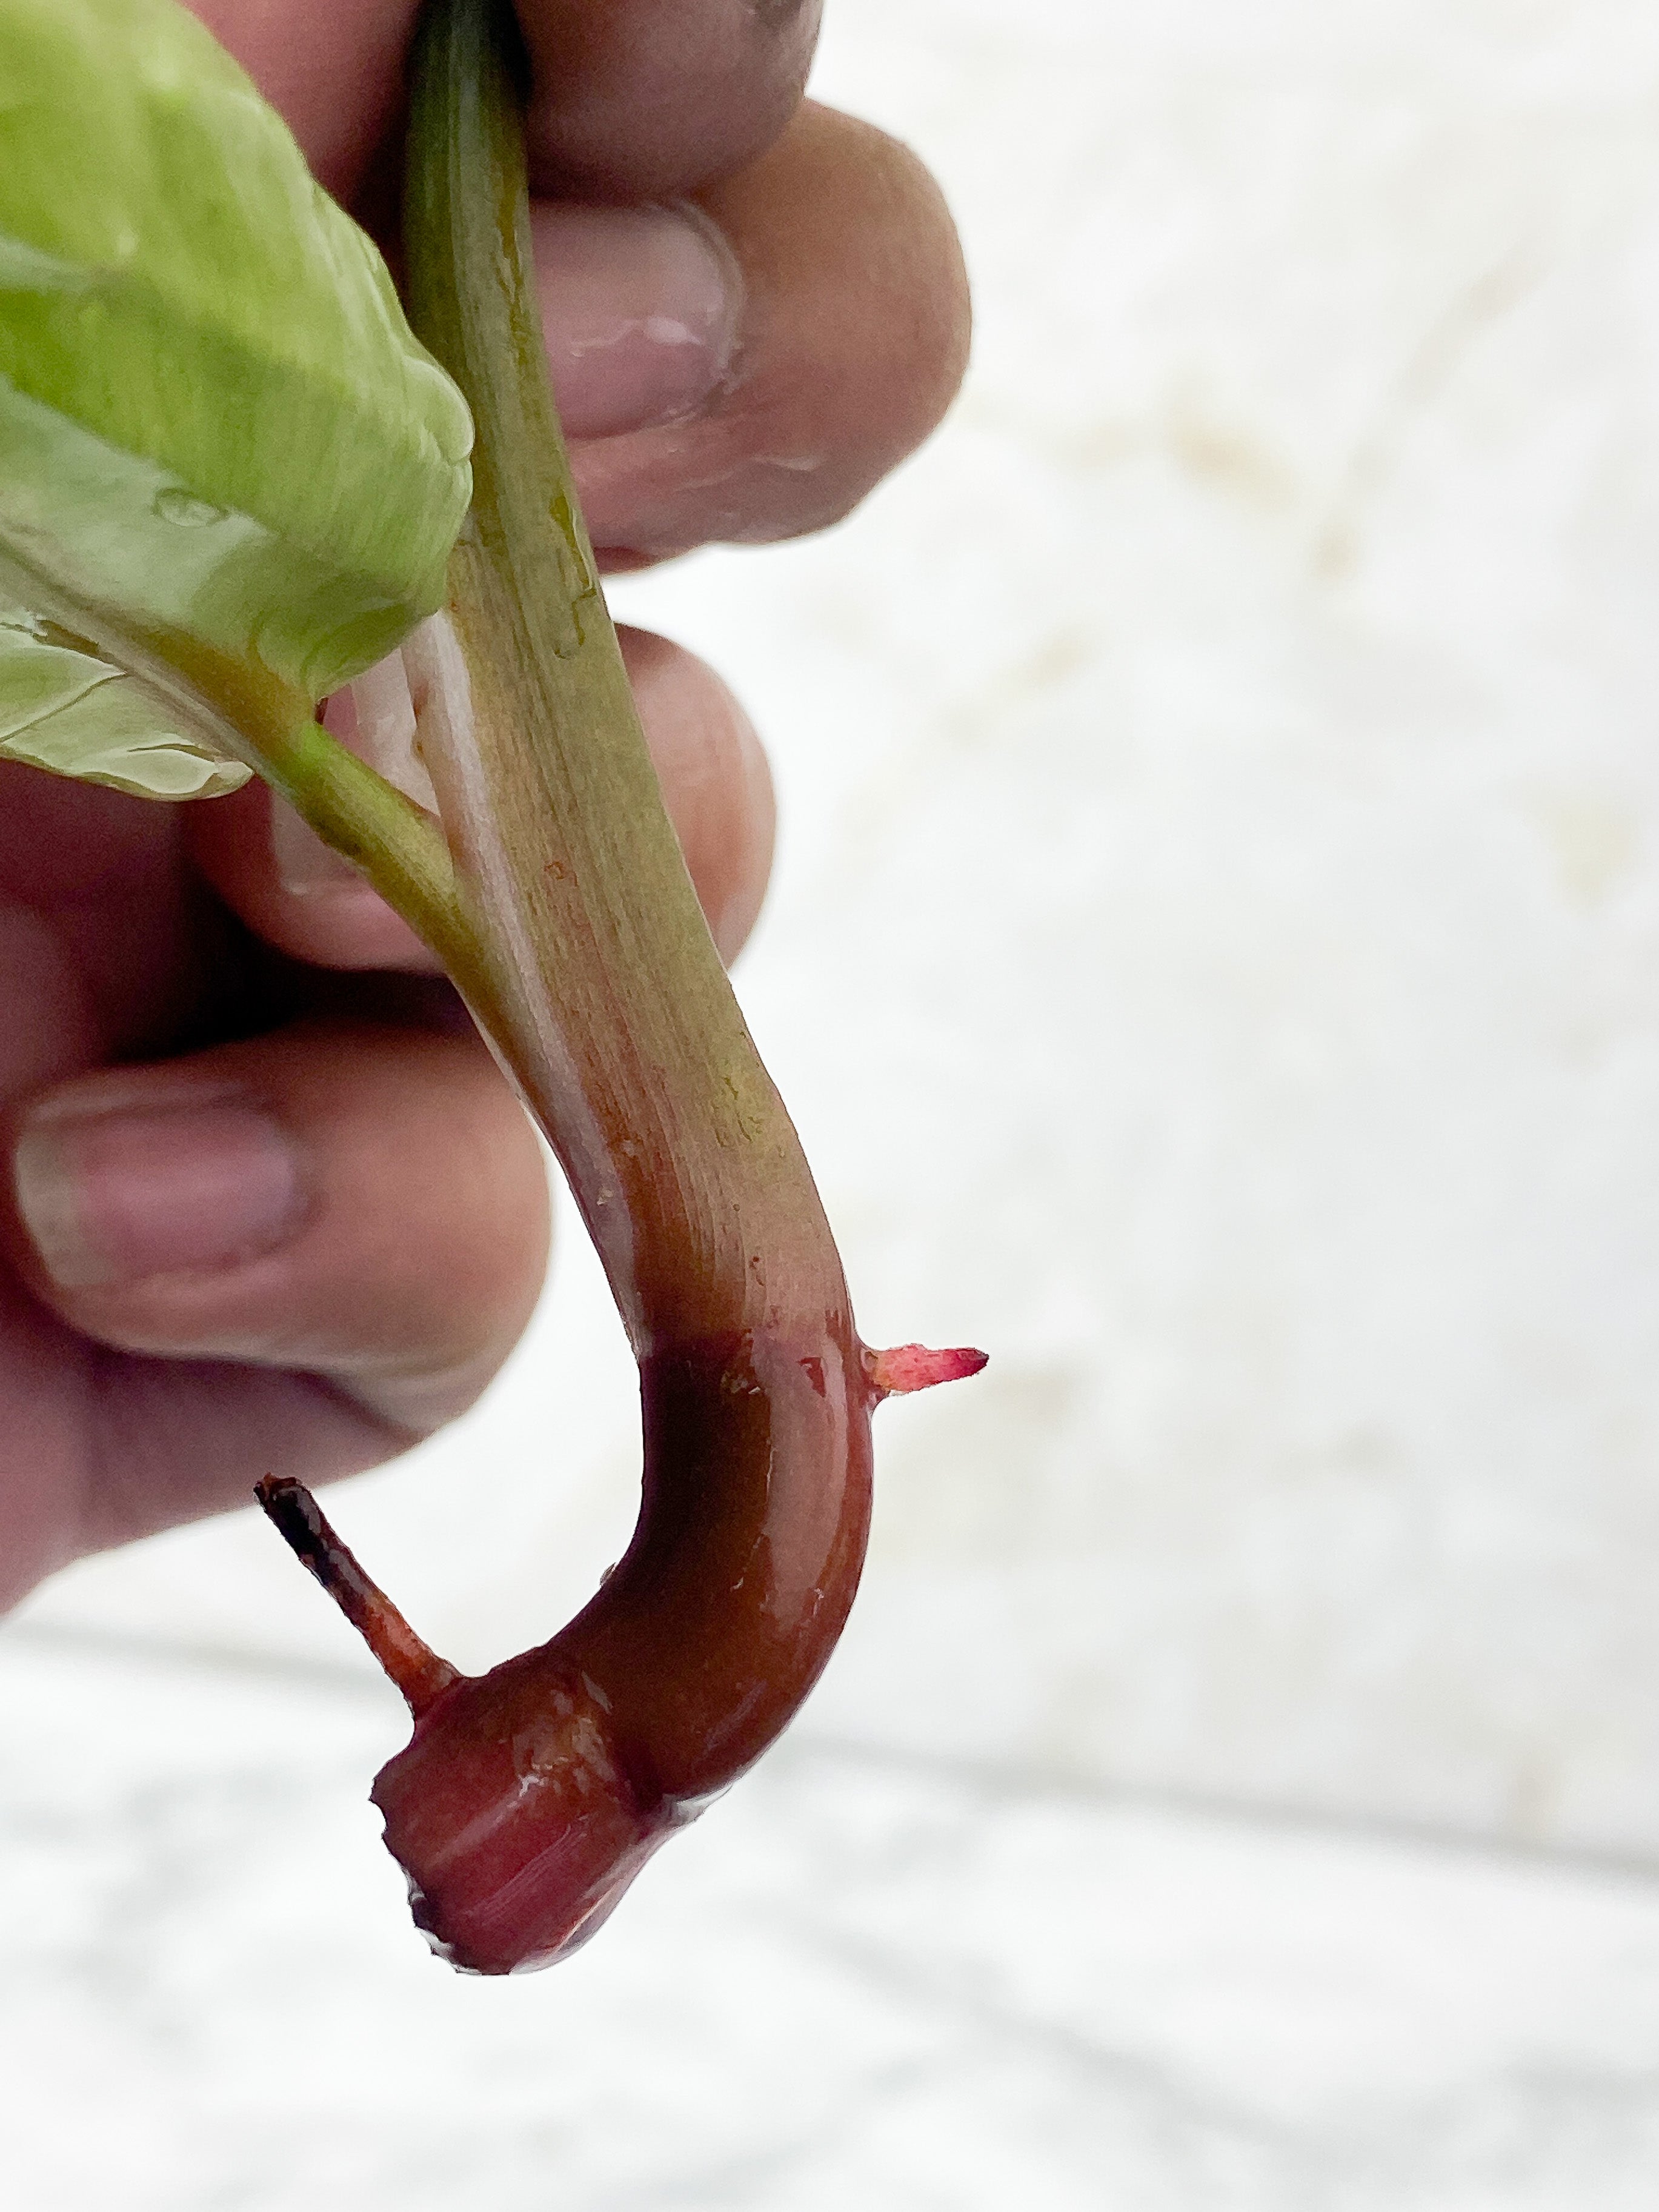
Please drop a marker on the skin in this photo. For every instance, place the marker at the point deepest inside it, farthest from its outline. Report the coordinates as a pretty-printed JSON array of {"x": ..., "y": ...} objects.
[{"x": 153, "y": 959}]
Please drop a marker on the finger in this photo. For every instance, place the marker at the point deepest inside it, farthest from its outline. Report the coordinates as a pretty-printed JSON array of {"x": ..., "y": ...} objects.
[
  {"x": 334, "y": 74},
  {"x": 364, "y": 1206},
  {"x": 715, "y": 781},
  {"x": 102, "y": 1447},
  {"x": 633, "y": 99},
  {"x": 291, "y": 891},
  {"x": 294, "y": 893},
  {"x": 750, "y": 385},
  {"x": 755, "y": 385},
  {"x": 103, "y": 949},
  {"x": 636, "y": 99}
]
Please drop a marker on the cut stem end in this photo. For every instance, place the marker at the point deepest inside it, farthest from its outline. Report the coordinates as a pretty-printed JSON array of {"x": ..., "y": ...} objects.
[
  {"x": 909, "y": 1367},
  {"x": 415, "y": 1668}
]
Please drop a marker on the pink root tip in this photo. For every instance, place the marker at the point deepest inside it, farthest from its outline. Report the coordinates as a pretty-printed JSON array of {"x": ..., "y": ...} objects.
[{"x": 915, "y": 1367}]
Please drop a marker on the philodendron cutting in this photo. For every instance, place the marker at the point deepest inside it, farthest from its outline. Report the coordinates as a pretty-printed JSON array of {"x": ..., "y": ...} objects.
[{"x": 232, "y": 479}]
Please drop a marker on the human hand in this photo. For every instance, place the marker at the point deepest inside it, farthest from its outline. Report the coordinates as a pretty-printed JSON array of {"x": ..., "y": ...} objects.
[{"x": 273, "y": 1209}]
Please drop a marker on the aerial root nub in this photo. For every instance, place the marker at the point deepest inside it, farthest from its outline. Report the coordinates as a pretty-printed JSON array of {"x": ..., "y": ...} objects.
[{"x": 915, "y": 1367}]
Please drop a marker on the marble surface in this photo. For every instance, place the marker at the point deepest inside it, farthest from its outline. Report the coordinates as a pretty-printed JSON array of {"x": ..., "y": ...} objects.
[
  {"x": 1215, "y": 961},
  {"x": 862, "y": 1979}
]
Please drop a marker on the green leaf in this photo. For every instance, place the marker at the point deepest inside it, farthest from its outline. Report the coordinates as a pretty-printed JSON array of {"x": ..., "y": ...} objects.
[
  {"x": 219, "y": 444},
  {"x": 64, "y": 707}
]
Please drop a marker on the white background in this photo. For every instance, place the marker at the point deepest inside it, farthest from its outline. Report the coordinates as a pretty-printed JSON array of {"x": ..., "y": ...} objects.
[{"x": 1212, "y": 963}]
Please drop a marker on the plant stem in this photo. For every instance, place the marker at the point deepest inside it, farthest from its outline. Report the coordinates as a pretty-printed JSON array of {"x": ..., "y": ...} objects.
[
  {"x": 529, "y": 1797},
  {"x": 398, "y": 848},
  {"x": 622, "y": 1027},
  {"x": 274, "y": 729}
]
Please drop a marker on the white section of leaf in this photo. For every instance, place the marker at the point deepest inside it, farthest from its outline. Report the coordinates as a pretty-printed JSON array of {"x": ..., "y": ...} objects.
[{"x": 76, "y": 714}]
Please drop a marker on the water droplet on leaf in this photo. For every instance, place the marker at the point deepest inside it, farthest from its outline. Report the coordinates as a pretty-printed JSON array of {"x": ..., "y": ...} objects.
[{"x": 175, "y": 504}]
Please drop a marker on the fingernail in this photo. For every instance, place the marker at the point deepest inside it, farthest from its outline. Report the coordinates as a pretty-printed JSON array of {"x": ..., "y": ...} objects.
[
  {"x": 640, "y": 308},
  {"x": 305, "y": 867},
  {"x": 112, "y": 1193}
]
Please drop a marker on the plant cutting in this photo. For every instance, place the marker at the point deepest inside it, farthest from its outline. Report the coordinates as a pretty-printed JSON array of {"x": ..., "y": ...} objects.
[{"x": 232, "y": 480}]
